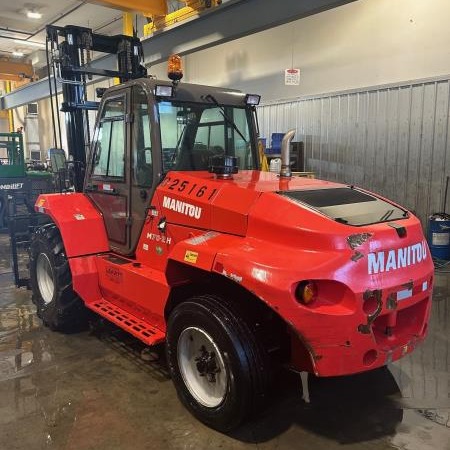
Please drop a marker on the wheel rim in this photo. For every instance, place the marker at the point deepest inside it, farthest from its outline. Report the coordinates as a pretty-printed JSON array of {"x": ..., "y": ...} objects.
[
  {"x": 44, "y": 274},
  {"x": 202, "y": 367}
]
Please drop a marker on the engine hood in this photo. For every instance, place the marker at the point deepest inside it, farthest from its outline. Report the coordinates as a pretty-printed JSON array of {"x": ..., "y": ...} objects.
[
  {"x": 310, "y": 222},
  {"x": 199, "y": 200}
]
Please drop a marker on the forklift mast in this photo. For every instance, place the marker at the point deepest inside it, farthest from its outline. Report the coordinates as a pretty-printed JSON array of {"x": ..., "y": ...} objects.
[{"x": 70, "y": 49}]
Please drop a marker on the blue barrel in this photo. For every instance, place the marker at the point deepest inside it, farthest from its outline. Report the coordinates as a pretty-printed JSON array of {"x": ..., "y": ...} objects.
[
  {"x": 439, "y": 236},
  {"x": 276, "y": 142}
]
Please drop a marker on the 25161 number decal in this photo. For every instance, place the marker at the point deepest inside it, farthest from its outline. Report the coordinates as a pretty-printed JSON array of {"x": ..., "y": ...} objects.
[{"x": 190, "y": 189}]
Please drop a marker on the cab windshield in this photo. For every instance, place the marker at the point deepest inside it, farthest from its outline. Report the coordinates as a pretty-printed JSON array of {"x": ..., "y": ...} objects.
[{"x": 193, "y": 132}]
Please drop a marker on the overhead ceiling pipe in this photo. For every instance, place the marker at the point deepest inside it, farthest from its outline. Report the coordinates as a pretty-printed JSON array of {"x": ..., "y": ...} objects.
[
  {"x": 285, "y": 171},
  {"x": 14, "y": 31}
]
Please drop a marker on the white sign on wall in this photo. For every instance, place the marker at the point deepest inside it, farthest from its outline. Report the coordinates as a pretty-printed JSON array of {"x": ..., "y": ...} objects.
[{"x": 292, "y": 77}]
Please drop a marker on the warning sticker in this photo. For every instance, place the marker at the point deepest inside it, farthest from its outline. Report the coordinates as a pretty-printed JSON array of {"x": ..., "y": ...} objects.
[
  {"x": 191, "y": 256},
  {"x": 292, "y": 77},
  {"x": 440, "y": 238}
]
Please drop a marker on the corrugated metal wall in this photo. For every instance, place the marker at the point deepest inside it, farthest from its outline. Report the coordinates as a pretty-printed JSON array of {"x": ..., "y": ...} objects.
[{"x": 389, "y": 139}]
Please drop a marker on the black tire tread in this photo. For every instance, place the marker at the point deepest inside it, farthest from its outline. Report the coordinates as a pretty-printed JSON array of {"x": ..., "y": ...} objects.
[
  {"x": 261, "y": 377},
  {"x": 245, "y": 341},
  {"x": 67, "y": 311}
]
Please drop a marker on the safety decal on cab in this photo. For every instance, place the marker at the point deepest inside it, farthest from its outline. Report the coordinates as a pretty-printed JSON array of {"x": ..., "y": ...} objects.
[{"x": 191, "y": 256}]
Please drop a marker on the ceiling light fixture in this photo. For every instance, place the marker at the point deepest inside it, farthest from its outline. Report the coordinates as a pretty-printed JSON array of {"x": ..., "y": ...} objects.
[
  {"x": 18, "y": 54},
  {"x": 31, "y": 43},
  {"x": 33, "y": 14}
]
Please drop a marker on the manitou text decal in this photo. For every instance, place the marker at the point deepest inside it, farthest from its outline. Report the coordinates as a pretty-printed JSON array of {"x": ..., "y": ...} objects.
[
  {"x": 396, "y": 259},
  {"x": 184, "y": 208}
]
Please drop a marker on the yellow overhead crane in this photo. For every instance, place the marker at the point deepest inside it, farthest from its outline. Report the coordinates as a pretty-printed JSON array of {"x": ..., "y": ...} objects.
[
  {"x": 191, "y": 8},
  {"x": 157, "y": 12},
  {"x": 13, "y": 71},
  {"x": 146, "y": 7}
]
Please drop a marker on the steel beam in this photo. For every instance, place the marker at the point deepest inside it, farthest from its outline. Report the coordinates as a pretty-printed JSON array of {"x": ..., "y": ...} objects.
[
  {"x": 29, "y": 93},
  {"x": 232, "y": 20}
]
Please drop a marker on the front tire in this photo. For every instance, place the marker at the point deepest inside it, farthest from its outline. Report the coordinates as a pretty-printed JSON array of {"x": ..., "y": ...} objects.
[
  {"x": 57, "y": 304},
  {"x": 218, "y": 367}
]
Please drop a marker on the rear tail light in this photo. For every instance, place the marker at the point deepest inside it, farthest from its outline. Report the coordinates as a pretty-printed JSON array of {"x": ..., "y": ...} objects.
[
  {"x": 326, "y": 296},
  {"x": 306, "y": 292}
]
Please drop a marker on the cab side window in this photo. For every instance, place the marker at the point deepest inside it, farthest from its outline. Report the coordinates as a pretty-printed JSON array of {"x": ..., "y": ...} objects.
[
  {"x": 141, "y": 148},
  {"x": 109, "y": 157}
]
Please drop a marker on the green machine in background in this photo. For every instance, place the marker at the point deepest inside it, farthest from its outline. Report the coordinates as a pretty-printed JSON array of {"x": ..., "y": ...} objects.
[
  {"x": 12, "y": 161},
  {"x": 19, "y": 187}
]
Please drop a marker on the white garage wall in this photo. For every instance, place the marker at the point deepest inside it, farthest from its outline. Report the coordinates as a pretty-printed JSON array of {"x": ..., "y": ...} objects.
[
  {"x": 393, "y": 140},
  {"x": 365, "y": 43}
]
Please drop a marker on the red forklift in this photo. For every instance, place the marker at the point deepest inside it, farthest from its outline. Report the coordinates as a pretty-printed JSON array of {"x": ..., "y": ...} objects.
[{"x": 177, "y": 237}]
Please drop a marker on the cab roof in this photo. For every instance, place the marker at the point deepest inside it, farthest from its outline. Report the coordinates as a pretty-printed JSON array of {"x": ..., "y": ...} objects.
[{"x": 189, "y": 92}]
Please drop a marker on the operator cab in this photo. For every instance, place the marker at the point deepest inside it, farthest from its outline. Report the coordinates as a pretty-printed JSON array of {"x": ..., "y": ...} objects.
[{"x": 146, "y": 128}]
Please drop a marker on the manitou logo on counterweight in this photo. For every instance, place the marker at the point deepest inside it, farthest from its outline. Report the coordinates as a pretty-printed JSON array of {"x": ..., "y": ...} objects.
[{"x": 379, "y": 262}]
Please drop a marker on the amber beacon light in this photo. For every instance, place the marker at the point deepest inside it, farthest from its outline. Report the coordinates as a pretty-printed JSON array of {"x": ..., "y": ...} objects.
[{"x": 174, "y": 68}]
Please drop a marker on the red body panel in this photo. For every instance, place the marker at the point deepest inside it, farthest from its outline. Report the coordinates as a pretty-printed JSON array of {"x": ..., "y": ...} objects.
[
  {"x": 80, "y": 223},
  {"x": 85, "y": 278},
  {"x": 366, "y": 313},
  {"x": 138, "y": 289}
]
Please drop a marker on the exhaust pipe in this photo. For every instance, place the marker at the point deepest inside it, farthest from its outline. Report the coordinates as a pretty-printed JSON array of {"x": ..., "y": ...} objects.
[{"x": 285, "y": 171}]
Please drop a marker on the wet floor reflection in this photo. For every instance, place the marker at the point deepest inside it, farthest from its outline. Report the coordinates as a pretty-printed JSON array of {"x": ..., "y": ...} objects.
[{"x": 103, "y": 389}]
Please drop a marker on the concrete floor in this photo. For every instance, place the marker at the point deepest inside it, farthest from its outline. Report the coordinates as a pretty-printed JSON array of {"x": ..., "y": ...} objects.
[{"x": 102, "y": 389}]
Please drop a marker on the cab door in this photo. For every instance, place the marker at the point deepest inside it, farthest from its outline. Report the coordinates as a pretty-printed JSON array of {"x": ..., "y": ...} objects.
[
  {"x": 121, "y": 176},
  {"x": 144, "y": 166},
  {"x": 108, "y": 184}
]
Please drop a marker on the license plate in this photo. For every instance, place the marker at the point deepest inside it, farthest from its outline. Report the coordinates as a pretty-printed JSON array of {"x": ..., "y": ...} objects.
[{"x": 404, "y": 294}]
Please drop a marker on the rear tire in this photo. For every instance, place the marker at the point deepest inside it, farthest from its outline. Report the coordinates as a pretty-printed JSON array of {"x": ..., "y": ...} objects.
[
  {"x": 57, "y": 304},
  {"x": 219, "y": 369}
]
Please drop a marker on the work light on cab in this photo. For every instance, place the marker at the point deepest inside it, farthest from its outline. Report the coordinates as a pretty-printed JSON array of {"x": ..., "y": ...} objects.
[
  {"x": 162, "y": 90},
  {"x": 306, "y": 292},
  {"x": 252, "y": 99},
  {"x": 174, "y": 68}
]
